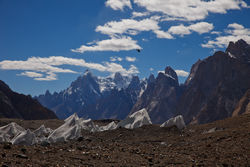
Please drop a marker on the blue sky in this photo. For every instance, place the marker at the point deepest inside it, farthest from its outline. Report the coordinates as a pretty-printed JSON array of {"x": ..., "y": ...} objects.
[{"x": 46, "y": 44}]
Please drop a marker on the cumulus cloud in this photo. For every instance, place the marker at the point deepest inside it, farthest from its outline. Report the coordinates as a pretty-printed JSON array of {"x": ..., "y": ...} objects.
[
  {"x": 114, "y": 44},
  {"x": 181, "y": 73},
  {"x": 234, "y": 32},
  {"x": 179, "y": 30},
  {"x": 46, "y": 69},
  {"x": 163, "y": 34},
  {"x": 118, "y": 4},
  {"x": 128, "y": 26},
  {"x": 151, "y": 69},
  {"x": 200, "y": 27},
  {"x": 131, "y": 59},
  {"x": 190, "y": 10}
]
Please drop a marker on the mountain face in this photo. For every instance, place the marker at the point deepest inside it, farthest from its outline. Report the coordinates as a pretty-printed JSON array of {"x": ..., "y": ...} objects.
[
  {"x": 161, "y": 96},
  {"x": 216, "y": 84},
  {"x": 215, "y": 89},
  {"x": 14, "y": 105},
  {"x": 95, "y": 97},
  {"x": 243, "y": 106}
]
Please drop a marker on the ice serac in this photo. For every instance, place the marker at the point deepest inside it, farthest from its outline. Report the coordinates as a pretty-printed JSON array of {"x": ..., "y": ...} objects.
[
  {"x": 216, "y": 84},
  {"x": 71, "y": 129},
  {"x": 111, "y": 126},
  {"x": 25, "y": 138},
  {"x": 9, "y": 131},
  {"x": 177, "y": 121},
  {"x": 135, "y": 120},
  {"x": 42, "y": 131},
  {"x": 160, "y": 97},
  {"x": 15, "y": 105}
]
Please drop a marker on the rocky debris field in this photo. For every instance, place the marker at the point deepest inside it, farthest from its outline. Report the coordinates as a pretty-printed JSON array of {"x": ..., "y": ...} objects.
[{"x": 222, "y": 143}]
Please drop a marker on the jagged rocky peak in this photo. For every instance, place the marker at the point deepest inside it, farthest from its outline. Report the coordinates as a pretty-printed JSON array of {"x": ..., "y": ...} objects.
[
  {"x": 151, "y": 79},
  {"x": 169, "y": 71},
  {"x": 135, "y": 80},
  {"x": 135, "y": 83},
  {"x": 47, "y": 93},
  {"x": 87, "y": 73},
  {"x": 120, "y": 81},
  {"x": 118, "y": 77},
  {"x": 239, "y": 50},
  {"x": 4, "y": 86}
]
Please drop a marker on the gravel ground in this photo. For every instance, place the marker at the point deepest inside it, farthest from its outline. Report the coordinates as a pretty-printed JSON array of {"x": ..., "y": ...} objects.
[{"x": 222, "y": 143}]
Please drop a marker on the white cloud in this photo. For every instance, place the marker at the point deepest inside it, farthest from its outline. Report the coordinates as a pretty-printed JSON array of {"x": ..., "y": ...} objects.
[
  {"x": 133, "y": 27},
  {"x": 200, "y": 27},
  {"x": 190, "y": 10},
  {"x": 115, "y": 58},
  {"x": 154, "y": 13},
  {"x": 131, "y": 59},
  {"x": 31, "y": 74},
  {"x": 216, "y": 32},
  {"x": 46, "y": 69},
  {"x": 128, "y": 26},
  {"x": 181, "y": 73},
  {"x": 118, "y": 4},
  {"x": 179, "y": 30},
  {"x": 234, "y": 32},
  {"x": 151, "y": 69},
  {"x": 236, "y": 26},
  {"x": 49, "y": 77},
  {"x": 139, "y": 14},
  {"x": 163, "y": 34},
  {"x": 113, "y": 44}
]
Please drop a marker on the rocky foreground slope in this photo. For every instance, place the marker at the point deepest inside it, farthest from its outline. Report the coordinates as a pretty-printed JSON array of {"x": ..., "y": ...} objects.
[{"x": 221, "y": 143}]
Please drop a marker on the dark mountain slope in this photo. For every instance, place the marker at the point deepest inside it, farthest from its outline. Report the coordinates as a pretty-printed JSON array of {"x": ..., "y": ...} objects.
[{"x": 14, "y": 105}]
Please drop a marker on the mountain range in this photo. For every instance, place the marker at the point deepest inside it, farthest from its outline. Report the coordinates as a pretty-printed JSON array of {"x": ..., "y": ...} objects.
[
  {"x": 216, "y": 88},
  {"x": 96, "y": 97}
]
